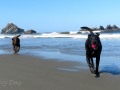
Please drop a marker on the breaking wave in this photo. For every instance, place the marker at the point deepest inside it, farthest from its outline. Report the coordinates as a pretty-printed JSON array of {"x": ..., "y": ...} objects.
[{"x": 72, "y": 34}]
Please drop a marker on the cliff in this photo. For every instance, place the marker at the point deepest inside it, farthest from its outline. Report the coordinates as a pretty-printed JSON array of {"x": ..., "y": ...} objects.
[
  {"x": 12, "y": 29},
  {"x": 30, "y": 32}
]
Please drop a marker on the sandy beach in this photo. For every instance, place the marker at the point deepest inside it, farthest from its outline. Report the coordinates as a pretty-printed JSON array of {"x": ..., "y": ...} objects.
[{"x": 22, "y": 72}]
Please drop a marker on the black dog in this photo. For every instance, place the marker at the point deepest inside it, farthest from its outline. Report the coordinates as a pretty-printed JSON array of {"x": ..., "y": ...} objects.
[{"x": 93, "y": 48}]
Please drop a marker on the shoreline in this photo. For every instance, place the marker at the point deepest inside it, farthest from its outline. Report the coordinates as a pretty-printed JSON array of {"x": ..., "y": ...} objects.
[{"x": 23, "y": 72}]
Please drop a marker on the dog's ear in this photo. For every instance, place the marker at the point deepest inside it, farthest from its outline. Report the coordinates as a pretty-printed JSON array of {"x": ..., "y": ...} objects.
[{"x": 98, "y": 34}]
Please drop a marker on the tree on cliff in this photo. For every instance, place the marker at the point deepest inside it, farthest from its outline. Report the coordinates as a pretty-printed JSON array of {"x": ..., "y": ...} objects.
[
  {"x": 115, "y": 27},
  {"x": 109, "y": 27},
  {"x": 101, "y": 28}
]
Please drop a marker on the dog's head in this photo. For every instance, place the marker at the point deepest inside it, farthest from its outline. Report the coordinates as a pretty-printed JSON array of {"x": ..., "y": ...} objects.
[
  {"x": 14, "y": 40},
  {"x": 94, "y": 41}
]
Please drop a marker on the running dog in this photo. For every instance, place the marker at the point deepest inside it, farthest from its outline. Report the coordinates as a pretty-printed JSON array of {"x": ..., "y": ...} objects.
[
  {"x": 16, "y": 43},
  {"x": 93, "y": 49}
]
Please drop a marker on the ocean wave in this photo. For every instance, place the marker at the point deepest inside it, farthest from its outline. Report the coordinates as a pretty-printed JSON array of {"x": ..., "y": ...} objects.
[
  {"x": 73, "y": 32},
  {"x": 57, "y": 35},
  {"x": 109, "y": 36},
  {"x": 5, "y": 36},
  {"x": 87, "y": 32}
]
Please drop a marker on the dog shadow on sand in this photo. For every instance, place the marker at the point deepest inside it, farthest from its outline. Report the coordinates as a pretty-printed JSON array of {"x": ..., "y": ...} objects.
[{"x": 112, "y": 69}]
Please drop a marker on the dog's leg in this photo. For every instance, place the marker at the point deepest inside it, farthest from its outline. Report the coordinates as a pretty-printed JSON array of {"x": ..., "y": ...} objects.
[
  {"x": 18, "y": 49},
  {"x": 92, "y": 65},
  {"x": 88, "y": 61},
  {"x": 13, "y": 47},
  {"x": 97, "y": 64}
]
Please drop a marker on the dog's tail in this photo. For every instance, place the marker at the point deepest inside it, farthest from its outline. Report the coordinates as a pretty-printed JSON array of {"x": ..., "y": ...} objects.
[
  {"x": 18, "y": 35},
  {"x": 87, "y": 28}
]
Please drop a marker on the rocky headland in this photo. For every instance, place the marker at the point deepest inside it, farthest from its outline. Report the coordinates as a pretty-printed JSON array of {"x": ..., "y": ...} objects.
[
  {"x": 108, "y": 27},
  {"x": 11, "y": 28}
]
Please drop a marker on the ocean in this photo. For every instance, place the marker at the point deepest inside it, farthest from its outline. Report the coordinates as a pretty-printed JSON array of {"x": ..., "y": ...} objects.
[{"x": 67, "y": 47}]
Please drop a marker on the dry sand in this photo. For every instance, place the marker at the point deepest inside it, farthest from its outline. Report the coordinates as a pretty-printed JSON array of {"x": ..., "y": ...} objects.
[{"x": 22, "y": 72}]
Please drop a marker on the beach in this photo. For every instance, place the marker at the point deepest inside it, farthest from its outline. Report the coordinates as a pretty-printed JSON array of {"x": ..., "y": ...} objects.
[
  {"x": 58, "y": 64},
  {"x": 61, "y": 45},
  {"x": 25, "y": 72}
]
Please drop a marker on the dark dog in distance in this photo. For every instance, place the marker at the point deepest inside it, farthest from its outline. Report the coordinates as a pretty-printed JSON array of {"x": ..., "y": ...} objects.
[
  {"x": 93, "y": 48},
  {"x": 16, "y": 43}
]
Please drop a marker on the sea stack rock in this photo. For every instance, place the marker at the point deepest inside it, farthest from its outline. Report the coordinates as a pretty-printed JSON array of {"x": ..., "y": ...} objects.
[
  {"x": 30, "y": 32},
  {"x": 12, "y": 29}
]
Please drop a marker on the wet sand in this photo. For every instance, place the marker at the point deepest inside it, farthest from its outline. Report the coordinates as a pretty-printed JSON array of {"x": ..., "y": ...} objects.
[{"x": 23, "y": 72}]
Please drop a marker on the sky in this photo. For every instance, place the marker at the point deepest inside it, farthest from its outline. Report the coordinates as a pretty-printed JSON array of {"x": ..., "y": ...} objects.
[{"x": 59, "y": 15}]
